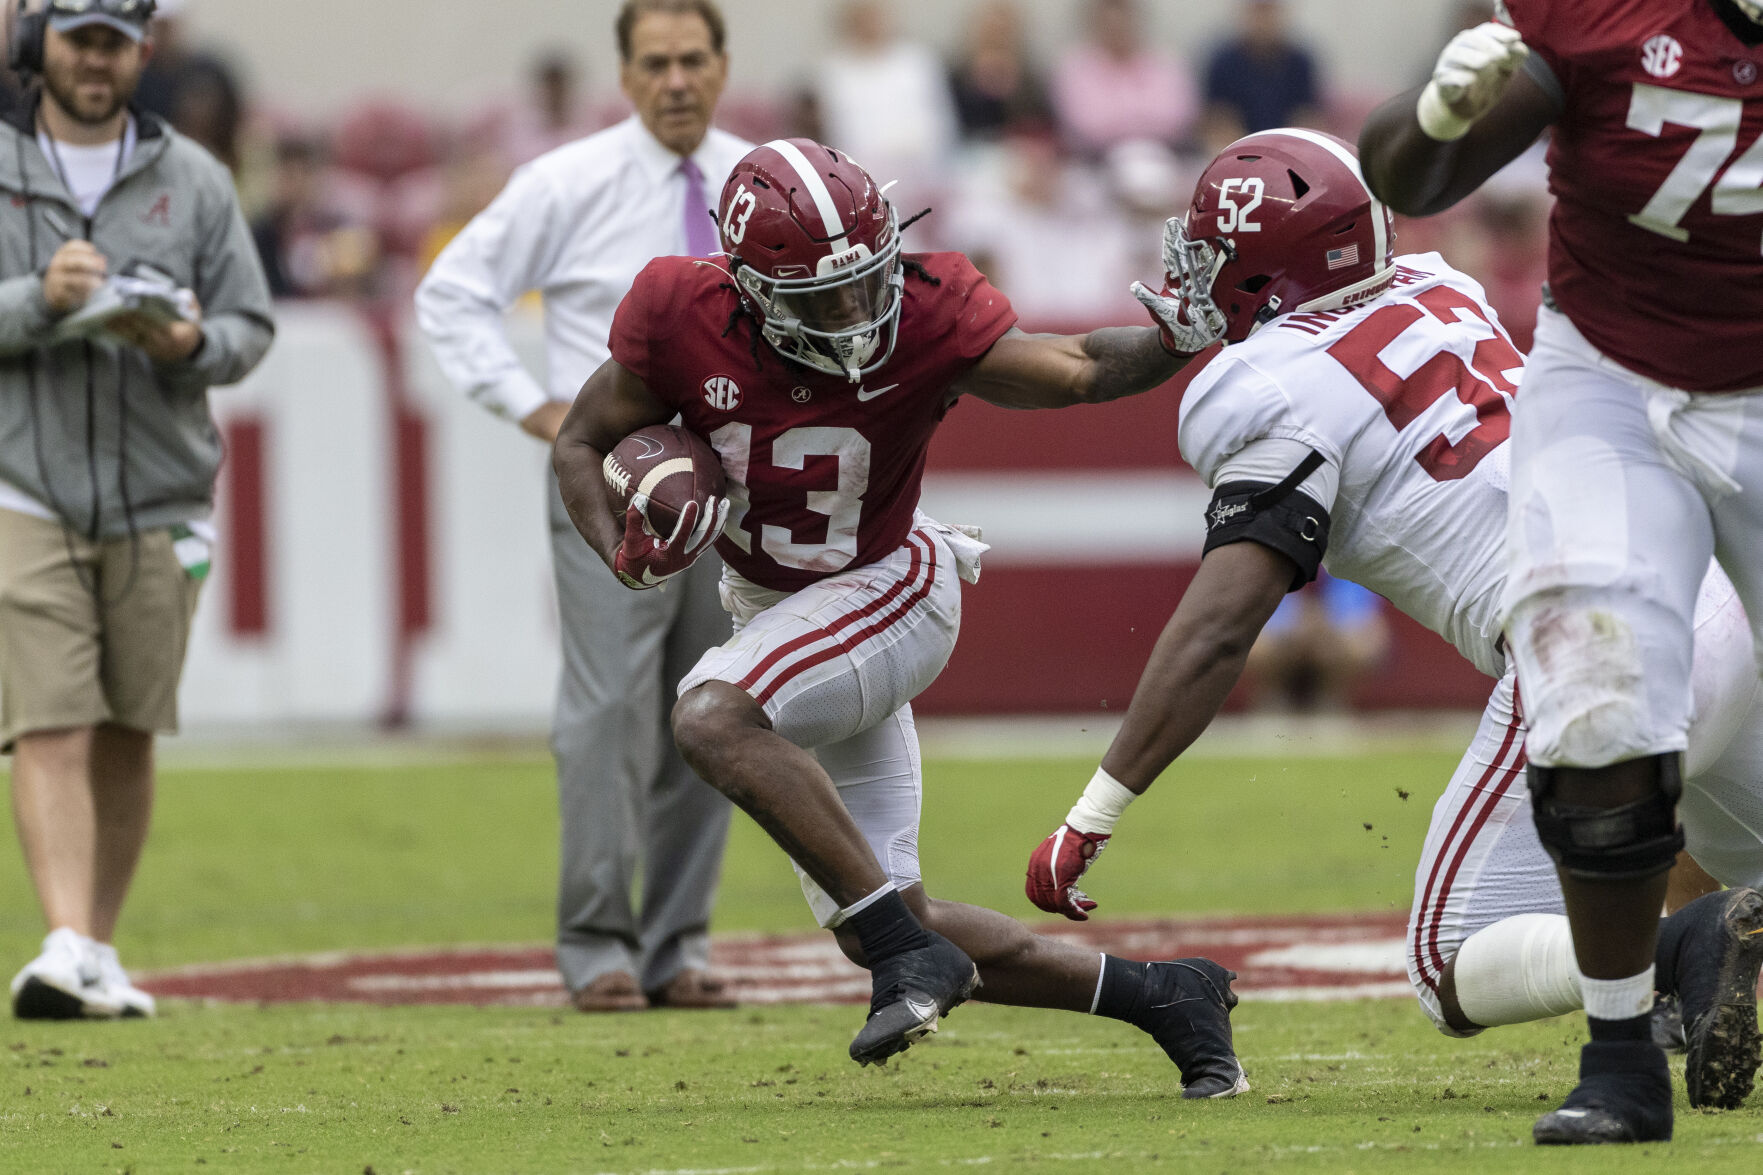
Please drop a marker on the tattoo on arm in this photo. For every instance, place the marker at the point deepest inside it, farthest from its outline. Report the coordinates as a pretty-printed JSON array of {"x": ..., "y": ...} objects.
[{"x": 1126, "y": 360}]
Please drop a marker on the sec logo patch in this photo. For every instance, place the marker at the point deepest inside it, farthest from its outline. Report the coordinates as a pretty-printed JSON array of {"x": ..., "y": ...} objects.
[
  {"x": 722, "y": 393},
  {"x": 1661, "y": 56}
]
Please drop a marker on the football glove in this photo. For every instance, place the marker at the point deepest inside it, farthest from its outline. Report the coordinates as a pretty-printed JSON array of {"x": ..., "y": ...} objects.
[
  {"x": 1187, "y": 319},
  {"x": 645, "y": 561},
  {"x": 1469, "y": 77},
  {"x": 1055, "y": 867}
]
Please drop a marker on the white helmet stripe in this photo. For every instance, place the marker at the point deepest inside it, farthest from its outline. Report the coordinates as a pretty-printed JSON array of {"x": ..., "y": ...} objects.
[
  {"x": 1380, "y": 239},
  {"x": 817, "y": 191}
]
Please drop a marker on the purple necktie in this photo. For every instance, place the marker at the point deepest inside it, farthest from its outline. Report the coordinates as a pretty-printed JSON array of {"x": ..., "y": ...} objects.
[{"x": 700, "y": 228}]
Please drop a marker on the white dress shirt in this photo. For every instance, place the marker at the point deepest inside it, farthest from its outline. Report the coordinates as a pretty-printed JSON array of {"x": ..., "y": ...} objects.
[{"x": 576, "y": 224}]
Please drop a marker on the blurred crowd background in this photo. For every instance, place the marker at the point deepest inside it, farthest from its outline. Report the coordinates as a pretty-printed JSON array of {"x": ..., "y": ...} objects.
[
  {"x": 1053, "y": 170},
  {"x": 1051, "y": 139}
]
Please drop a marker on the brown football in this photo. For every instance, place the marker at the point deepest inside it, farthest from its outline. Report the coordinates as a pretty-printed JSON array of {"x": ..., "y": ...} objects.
[{"x": 670, "y": 465}]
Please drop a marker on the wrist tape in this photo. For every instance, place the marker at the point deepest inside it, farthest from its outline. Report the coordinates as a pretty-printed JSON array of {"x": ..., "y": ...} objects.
[{"x": 1102, "y": 803}]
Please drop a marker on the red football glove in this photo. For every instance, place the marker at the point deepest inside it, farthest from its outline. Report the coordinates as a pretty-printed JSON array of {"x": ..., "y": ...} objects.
[
  {"x": 1055, "y": 867},
  {"x": 644, "y": 561}
]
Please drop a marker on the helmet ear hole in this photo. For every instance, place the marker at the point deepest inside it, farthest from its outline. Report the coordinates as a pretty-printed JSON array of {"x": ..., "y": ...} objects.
[{"x": 1254, "y": 284}]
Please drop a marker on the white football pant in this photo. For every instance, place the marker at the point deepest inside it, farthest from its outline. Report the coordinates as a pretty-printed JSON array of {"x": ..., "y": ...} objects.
[{"x": 835, "y": 666}]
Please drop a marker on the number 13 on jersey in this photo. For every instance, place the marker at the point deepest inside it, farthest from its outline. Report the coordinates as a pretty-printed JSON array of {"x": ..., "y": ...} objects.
[{"x": 843, "y": 505}]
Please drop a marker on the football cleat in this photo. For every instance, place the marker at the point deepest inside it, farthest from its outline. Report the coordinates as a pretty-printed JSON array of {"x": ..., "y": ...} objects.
[
  {"x": 1624, "y": 1095},
  {"x": 1185, "y": 1005},
  {"x": 912, "y": 990},
  {"x": 1666, "y": 1024},
  {"x": 1716, "y": 977}
]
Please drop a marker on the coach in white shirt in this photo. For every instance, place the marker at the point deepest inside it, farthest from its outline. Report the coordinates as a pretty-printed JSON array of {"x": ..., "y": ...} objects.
[{"x": 577, "y": 225}]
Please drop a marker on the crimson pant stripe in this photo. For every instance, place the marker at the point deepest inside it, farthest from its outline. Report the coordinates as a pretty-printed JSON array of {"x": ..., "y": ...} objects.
[
  {"x": 832, "y": 632},
  {"x": 826, "y": 654},
  {"x": 1426, "y": 928}
]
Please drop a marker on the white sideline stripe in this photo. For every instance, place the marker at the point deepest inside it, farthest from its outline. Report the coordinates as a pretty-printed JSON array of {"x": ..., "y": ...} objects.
[
  {"x": 471, "y": 980},
  {"x": 1319, "y": 995},
  {"x": 1076, "y": 518},
  {"x": 1384, "y": 956}
]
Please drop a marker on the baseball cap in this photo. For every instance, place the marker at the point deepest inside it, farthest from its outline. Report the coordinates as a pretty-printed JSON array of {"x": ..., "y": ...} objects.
[{"x": 128, "y": 17}]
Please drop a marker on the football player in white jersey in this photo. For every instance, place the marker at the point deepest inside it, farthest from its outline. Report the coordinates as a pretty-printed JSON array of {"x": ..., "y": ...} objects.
[{"x": 1358, "y": 416}]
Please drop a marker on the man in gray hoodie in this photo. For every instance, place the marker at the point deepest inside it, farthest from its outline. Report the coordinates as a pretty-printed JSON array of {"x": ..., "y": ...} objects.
[{"x": 107, "y": 462}]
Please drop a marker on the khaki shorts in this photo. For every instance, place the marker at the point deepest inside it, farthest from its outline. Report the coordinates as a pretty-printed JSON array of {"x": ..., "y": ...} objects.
[{"x": 103, "y": 643}]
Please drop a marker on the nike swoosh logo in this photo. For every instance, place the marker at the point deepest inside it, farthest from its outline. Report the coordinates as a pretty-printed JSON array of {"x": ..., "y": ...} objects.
[
  {"x": 866, "y": 394},
  {"x": 651, "y": 448},
  {"x": 926, "y": 1011}
]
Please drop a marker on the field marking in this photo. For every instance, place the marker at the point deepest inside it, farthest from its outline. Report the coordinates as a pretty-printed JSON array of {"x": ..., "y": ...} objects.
[{"x": 1320, "y": 957}]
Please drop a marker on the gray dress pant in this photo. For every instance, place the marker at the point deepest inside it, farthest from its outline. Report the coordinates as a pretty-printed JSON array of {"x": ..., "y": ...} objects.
[{"x": 624, "y": 794}]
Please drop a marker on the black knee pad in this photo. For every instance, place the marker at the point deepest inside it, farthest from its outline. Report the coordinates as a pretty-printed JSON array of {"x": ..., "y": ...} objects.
[{"x": 1626, "y": 842}]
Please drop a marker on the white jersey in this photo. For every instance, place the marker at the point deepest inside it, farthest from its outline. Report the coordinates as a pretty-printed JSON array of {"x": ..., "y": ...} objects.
[{"x": 1408, "y": 401}]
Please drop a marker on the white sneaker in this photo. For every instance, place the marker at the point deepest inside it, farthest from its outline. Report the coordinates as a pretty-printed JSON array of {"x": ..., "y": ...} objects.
[
  {"x": 65, "y": 982},
  {"x": 134, "y": 1001}
]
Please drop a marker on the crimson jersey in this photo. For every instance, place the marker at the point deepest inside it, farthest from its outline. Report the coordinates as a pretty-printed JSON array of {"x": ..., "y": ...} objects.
[
  {"x": 1656, "y": 240},
  {"x": 822, "y": 474}
]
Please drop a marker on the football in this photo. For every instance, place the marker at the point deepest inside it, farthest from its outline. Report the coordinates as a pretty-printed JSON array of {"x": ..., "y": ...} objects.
[{"x": 670, "y": 465}]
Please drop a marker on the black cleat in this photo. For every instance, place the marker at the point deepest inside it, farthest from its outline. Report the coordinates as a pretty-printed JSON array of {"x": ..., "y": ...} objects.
[
  {"x": 911, "y": 992},
  {"x": 1185, "y": 1006},
  {"x": 1624, "y": 1095},
  {"x": 1717, "y": 968},
  {"x": 1666, "y": 1024}
]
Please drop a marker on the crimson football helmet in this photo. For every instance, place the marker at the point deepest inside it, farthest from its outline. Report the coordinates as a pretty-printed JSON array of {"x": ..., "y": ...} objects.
[
  {"x": 815, "y": 249},
  {"x": 1281, "y": 222}
]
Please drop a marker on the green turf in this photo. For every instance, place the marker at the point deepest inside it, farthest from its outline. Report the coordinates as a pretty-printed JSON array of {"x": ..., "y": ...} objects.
[
  {"x": 261, "y": 862},
  {"x": 1342, "y": 1087},
  {"x": 251, "y": 862}
]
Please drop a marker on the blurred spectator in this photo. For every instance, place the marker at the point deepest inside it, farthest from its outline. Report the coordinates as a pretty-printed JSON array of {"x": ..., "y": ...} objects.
[
  {"x": 884, "y": 100},
  {"x": 197, "y": 92},
  {"x": 1149, "y": 184},
  {"x": 1260, "y": 78},
  {"x": 1320, "y": 642},
  {"x": 995, "y": 85},
  {"x": 475, "y": 170},
  {"x": 802, "y": 116},
  {"x": 310, "y": 249},
  {"x": 552, "y": 114},
  {"x": 1114, "y": 87},
  {"x": 1046, "y": 232},
  {"x": 8, "y": 82}
]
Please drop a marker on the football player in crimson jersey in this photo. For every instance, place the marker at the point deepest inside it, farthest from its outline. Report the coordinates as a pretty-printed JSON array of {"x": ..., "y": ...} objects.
[
  {"x": 818, "y": 359},
  {"x": 1361, "y": 413},
  {"x": 1637, "y": 444}
]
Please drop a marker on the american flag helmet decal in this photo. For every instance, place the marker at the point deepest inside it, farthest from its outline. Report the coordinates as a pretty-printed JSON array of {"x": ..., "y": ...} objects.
[{"x": 1343, "y": 257}]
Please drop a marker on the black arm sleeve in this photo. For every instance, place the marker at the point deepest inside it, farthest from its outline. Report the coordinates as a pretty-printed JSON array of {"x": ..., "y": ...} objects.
[{"x": 1278, "y": 517}]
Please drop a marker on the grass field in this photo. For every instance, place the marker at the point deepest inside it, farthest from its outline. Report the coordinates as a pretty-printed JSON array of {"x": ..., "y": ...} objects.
[{"x": 251, "y": 862}]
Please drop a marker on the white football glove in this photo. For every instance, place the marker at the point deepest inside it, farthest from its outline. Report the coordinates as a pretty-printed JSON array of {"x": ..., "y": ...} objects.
[
  {"x": 1469, "y": 77},
  {"x": 1187, "y": 318}
]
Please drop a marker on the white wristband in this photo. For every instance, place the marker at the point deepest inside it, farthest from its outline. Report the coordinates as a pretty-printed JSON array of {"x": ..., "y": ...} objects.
[
  {"x": 1101, "y": 805},
  {"x": 1436, "y": 119}
]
